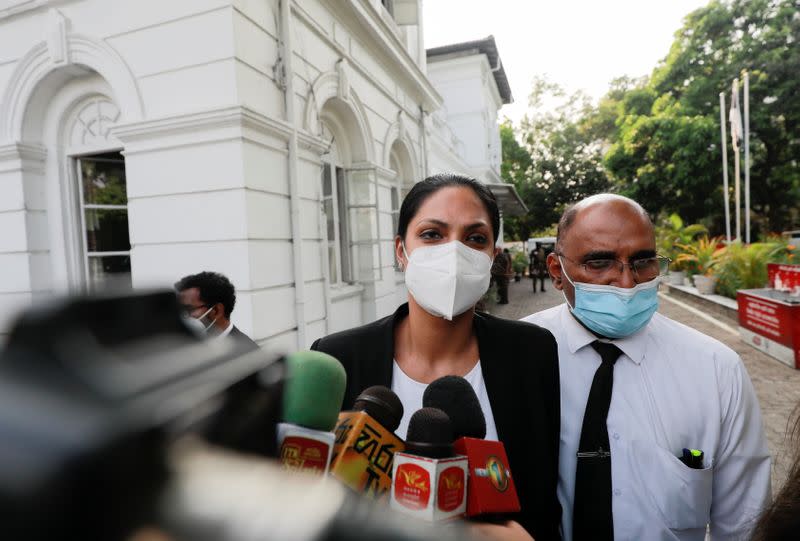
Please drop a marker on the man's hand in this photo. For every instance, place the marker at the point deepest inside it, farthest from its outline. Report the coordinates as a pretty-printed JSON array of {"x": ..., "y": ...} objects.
[{"x": 508, "y": 531}]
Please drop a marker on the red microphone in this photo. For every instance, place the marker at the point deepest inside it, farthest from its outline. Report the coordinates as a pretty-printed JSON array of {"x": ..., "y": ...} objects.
[
  {"x": 428, "y": 481},
  {"x": 490, "y": 486}
]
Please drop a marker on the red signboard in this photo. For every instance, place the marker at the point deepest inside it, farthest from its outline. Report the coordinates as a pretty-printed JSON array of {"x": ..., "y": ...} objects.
[
  {"x": 784, "y": 277},
  {"x": 769, "y": 319}
]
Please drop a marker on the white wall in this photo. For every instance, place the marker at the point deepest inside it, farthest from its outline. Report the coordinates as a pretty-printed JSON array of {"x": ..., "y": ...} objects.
[
  {"x": 205, "y": 135},
  {"x": 471, "y": 103}
]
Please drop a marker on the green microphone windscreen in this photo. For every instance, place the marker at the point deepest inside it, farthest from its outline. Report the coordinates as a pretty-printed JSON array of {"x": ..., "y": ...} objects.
[{"x": 313, "y": 393}]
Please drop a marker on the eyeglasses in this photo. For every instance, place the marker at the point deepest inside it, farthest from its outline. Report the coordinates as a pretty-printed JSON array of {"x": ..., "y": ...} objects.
[
  {"x": 188, "y": 308},
  {"x": 643, "y": 270}
]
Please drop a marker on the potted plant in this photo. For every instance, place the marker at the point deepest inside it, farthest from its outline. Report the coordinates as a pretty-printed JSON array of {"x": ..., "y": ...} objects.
[
  {"x": 519, "y": 264},
  {"x": 744, "y": 266},
  {"x": 703, "y": 255},
  {"x": 677, "y": 274},
  {"x": 670, "y": 234}
]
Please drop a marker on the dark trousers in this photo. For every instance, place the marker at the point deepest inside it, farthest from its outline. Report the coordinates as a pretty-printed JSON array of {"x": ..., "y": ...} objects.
[{"x": 502, "y": 290}]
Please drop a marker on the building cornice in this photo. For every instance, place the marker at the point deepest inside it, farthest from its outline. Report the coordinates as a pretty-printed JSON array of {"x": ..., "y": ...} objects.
[
  {"x": 226, "y": 123},
  {"x": 17, "y": 7},
  {"x": 213, "y": 118},
  {"x": 486, "y": 46},
  {"x": 387, "y": 41}
]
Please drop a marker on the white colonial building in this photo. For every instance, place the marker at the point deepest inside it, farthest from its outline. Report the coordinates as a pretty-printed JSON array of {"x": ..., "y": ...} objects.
[{"x": 270, "y": 140}]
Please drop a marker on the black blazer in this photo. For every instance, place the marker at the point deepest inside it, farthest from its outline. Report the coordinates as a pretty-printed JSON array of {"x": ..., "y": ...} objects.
[{"x": 519, "y": 362}]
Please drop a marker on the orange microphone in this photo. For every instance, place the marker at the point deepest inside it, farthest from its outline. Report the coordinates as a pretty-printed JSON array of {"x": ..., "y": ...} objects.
[{"x": 365, "y": 444}]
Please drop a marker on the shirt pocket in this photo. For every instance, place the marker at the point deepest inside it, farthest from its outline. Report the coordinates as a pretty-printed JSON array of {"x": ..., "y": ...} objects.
[{"x": 681, "y": 494}]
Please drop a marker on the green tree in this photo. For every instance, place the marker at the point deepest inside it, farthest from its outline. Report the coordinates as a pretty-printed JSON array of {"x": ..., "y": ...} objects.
[
  {"x": 554, "y": 158},
  {"x": 666, "y": 152}
]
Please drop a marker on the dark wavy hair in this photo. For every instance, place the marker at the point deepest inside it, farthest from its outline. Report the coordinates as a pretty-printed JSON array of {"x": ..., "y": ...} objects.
[
  {"x": 213, "y": 286},
  {"x": 780, "y": 521},
  {"x": 424, "y": 189}
]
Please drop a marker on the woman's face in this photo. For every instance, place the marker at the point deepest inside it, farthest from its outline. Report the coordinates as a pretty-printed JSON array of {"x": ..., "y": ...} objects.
[{"x": 450, "y": 213}]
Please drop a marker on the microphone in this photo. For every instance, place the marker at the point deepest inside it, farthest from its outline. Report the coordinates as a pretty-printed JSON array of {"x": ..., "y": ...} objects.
[
  {"x": 312, "y": 399},
  {"x": 428, "y": 480},
  {"x": 490, "y": 486},
  {"x": 365, "y": 442}
]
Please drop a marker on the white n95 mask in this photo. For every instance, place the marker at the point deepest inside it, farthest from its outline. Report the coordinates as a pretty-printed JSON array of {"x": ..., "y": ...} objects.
[{"x": 447, "y": 279}]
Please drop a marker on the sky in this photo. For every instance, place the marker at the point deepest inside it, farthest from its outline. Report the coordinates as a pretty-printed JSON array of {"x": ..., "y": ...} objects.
[{"x": 579, "y": 44}]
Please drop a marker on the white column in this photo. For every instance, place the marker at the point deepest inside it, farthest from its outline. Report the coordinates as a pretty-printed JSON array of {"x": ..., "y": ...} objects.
[{"x": 24, "y": 243}]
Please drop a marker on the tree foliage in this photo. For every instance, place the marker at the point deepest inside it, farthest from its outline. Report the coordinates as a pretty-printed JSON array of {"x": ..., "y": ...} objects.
[
  {"x": 657, "y": 139},
  {"x": 557, "y": 160},
  {"x": 667, "y": 152}
]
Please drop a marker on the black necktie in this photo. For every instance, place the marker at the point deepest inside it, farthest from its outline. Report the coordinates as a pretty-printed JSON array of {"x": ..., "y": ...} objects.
[{"x": 591, "y": 517}]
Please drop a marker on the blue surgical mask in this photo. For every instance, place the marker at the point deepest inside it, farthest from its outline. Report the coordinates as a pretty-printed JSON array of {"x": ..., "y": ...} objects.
[{"x": 614, "y": 312}]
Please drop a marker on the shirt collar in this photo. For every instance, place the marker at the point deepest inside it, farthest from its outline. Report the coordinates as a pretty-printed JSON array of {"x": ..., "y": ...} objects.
[
  {"x": 578, "y": 337},
  {"x": 227, "y": 330}
]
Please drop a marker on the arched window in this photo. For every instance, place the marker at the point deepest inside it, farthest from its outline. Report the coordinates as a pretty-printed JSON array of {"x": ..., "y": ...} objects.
[
  {"x": 400, "y": 162},
  {"x": 334, "y": 207},
  {"x": 99, "y": 188}
]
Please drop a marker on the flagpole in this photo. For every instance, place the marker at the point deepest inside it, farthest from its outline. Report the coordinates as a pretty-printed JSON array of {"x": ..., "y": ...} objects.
[
  {"x": 747, "y": 157},
  {"x": 725, "y": 191},
  {"x": 736, "y": 175}
]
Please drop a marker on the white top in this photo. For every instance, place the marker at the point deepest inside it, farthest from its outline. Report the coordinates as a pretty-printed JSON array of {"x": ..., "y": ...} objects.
[
  {"x": 410, "y": 393},
  {"x": 674, "y": 388}
]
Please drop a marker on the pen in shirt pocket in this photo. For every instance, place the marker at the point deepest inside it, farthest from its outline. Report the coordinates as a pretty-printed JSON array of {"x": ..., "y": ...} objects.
[{"x": 693, "y": 458}]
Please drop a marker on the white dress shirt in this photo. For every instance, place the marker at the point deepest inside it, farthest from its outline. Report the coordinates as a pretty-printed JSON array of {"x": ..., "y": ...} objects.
[
  {"x": 227, "y": 331},
  {"x": 410, "y": 392},
  {"x": 674, "y": 388}
]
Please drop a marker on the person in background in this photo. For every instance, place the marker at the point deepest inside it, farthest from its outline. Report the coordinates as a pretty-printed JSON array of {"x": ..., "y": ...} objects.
[
  {"x": 209, "y": 297},
  {"x": 501, "y": 272},
  {"x": 447, "y": 230},
  {"x": 538, "y": 267},
  {"x": 661, "y": 433}
]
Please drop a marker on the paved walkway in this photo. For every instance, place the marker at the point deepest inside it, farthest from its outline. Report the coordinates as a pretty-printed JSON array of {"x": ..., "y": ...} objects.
[{"x": 777, "y": 385}]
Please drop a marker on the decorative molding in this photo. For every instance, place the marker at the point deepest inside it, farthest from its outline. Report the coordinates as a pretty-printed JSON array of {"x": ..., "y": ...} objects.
[
  {"x": 330, "y": 40},
  {"x": 22, "y": 157},
  {"x": 56, "y": 37},
  {"x": 326, "y": 86},
  {"x": 312, "y": 143},
  {"x": 79, "y": 50},
  {"x": 368, "y": 19},
  {"x": 234, "y": 122},
  {"x": 93, "y": 123},
  {"x": 343, "y": 88},
  {"x": 401, "y": 126},
  {"x": 23, "y": 151},
  {"x": 386, "y": 173},
  {"x": 15, "y": 7},
  {"x": 397, "y": 132}
]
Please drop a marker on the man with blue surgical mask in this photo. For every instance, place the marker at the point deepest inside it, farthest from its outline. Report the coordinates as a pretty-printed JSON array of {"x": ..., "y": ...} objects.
[{"x": 661, "y": 433}]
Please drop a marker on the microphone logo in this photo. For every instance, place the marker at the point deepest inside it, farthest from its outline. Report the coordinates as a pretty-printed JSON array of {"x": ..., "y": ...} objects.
[
  {"x": 298, "y": 453},
  {"x": 451, "y": 489},
  {"x": 497, "y": 473},
  {"x": 412, "y": 486}
]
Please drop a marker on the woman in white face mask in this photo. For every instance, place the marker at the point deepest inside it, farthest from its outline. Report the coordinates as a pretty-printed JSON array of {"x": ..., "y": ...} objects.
[{"x": 445, "y": 244}]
